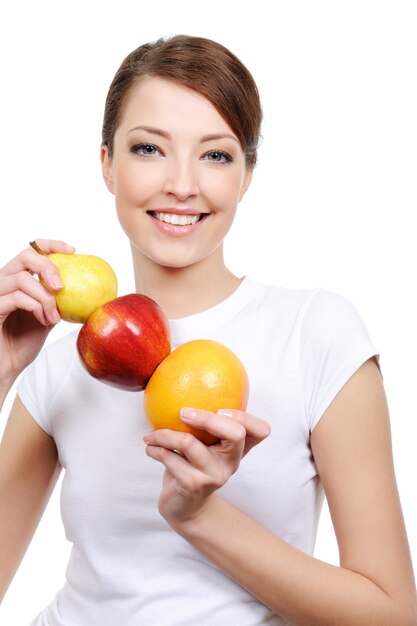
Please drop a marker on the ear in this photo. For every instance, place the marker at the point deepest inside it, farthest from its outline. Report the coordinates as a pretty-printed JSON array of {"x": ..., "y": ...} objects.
[
  {"x": 246, "y": 183},
  {"x": 106, "y": 168}
]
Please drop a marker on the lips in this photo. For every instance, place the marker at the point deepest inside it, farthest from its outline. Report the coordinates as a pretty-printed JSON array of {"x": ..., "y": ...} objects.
[{"x": 177, "y": 222}]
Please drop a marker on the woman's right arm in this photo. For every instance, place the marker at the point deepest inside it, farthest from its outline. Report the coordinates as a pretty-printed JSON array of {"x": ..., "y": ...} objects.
[
  {"x": 29, "y": 466},
  {"x": 27, "y": 309}
]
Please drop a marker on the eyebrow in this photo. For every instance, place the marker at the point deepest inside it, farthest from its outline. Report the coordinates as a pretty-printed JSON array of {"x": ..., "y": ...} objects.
[{"x": 163, "y": 133}]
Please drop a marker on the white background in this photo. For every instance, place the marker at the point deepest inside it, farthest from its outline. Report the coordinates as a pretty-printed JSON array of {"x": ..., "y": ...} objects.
[{"x": 331, "y": 204}]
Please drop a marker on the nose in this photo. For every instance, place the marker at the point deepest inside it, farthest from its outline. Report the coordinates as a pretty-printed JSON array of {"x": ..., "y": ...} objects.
[{"x": 181, "y": 179}]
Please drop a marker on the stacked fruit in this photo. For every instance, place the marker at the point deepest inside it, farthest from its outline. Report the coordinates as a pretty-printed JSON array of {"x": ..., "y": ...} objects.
[{"x": 125, "y": 342}]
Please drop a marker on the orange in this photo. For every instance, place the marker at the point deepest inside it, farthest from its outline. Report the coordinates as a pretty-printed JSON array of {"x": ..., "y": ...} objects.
[{"x": 202, "y": 374}]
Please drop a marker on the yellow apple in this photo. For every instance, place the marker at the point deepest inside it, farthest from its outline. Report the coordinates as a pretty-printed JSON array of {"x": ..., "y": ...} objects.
[{"x": 89, "y": 282}]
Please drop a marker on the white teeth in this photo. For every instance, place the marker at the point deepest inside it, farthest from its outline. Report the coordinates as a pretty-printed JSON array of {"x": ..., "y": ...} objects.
[{"x": 178, "y": 220}]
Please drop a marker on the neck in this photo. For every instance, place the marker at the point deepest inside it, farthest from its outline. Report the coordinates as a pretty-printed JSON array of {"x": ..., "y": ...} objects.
[{"x": 183, "y": 291}]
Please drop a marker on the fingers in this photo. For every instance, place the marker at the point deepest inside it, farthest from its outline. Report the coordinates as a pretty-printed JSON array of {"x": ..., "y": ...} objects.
[
  {"x": 256, "y": 428},
  {"x": 20, "y": 300},
  {"x": 31, "y": 261},
  {"x": 214, "y": 423},
  {"x": 191, "y": 478},
  {"x": 230, "y": 425},
  {"x": 236, "y": 431},
  {"x": 182, "y": 442},
  {"x": 22, "y": 291}
]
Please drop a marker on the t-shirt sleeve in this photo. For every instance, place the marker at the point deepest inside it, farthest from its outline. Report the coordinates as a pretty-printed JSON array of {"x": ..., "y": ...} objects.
[
  {"x": 334, "y": 344},
  {"x": 43, "y": 378}
]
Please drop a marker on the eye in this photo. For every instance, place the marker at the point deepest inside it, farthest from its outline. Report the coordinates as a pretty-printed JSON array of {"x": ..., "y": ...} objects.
[
  {"x": 218, "y": 156},
  {"x": 145, "y": 149}
]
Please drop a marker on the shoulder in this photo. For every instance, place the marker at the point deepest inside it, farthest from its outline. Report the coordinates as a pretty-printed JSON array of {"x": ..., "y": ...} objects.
[
  {"x": 330, "y": 317},
  {"x": 59, "y": 352},
  {"x": 334, "y": 343},
  {"x": 308, "y": 304},
  {"x": 329, "y": 302},
  {"x": 41, "y": 381}
]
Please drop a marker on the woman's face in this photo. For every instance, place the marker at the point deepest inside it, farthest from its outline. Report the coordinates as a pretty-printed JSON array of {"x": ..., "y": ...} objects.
[{"x": 177, "y": 172}]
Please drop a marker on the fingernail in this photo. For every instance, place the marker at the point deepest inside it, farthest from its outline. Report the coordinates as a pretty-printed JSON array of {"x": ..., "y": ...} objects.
[
  {"x": 56, "y": 282},
  {"x": 56, "y": 317},
  {"x": 225, "y": 412},
  {"x": 188, "y": 414},
  {"x": 146, "y": 437}
]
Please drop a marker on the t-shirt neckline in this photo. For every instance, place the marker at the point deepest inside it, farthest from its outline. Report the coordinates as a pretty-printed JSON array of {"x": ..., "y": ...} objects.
[{"x": 184, "y": 327}]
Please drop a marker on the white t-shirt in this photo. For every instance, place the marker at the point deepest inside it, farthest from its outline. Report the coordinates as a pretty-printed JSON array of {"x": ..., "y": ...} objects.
[{"x": 127, "y": 566}]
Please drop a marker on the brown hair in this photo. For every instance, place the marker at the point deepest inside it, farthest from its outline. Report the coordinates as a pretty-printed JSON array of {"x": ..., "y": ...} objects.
[{"x": 199, "y": 64}]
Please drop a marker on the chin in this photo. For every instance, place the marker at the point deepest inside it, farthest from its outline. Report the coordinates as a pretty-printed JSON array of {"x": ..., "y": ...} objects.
[
  {"x": 179, "y": 259},
  {"x": 175, "y": 254},
  {"x": 177, "y": 263}
]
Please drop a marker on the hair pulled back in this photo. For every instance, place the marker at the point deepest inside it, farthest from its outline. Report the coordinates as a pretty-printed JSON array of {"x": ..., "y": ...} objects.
[{"x": 196, "y": 63}]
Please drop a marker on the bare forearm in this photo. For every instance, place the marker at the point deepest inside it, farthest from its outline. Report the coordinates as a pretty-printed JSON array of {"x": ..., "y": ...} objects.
[
  {"x": 5, "y": 386},
  {"x": 298, "y": 587}
]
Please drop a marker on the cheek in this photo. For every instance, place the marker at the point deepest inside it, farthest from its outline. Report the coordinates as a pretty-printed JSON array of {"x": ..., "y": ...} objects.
[
  {"x": 224, "y": 193},
  {"x": 136, "y": 184}
]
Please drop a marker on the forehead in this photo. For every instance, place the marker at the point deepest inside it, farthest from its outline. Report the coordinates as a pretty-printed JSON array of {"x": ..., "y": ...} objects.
[{"x": 158, "y": 102}]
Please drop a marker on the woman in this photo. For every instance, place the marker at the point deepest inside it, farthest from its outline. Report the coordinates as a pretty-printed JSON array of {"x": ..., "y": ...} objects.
[{"x": 186, "y": 533}]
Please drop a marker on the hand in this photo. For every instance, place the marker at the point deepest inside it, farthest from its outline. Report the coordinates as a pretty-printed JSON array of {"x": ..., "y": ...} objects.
[
  {"x": 27, "y": 309},
  {"x": 193, "y": 470}
]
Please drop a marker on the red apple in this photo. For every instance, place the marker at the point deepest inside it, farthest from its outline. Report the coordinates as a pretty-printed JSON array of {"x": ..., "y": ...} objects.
[{"x": 124, "y": 341}]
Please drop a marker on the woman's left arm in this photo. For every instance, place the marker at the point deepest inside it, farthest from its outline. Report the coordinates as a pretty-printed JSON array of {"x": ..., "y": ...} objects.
[{"x": 352, "y": 448}]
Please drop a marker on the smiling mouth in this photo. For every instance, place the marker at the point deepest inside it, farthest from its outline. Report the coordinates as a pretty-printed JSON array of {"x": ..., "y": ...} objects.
[{"x": 178, "y": 220}]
